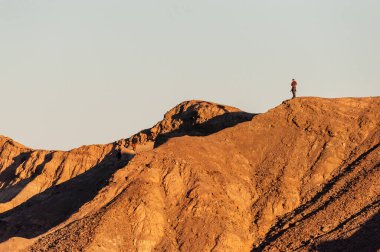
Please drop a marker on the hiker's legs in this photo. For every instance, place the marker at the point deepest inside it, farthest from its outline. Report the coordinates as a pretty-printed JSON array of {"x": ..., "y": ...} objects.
[{"x": 294, "y": 93}]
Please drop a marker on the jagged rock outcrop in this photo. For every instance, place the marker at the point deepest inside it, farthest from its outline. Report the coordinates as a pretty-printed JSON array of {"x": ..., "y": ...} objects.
[
  {"x": 303, "y": 176},
  {"x": 195, "y": 118}
]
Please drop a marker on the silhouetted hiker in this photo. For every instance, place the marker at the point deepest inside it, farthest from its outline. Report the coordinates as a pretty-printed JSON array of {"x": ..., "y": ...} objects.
[{"x": 294, "y": 88}]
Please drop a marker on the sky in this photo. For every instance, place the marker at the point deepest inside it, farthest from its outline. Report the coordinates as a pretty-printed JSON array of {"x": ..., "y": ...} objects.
[{"x": 76, "y": 72}]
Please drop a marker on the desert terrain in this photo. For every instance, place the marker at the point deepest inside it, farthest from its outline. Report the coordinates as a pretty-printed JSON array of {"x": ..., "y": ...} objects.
[{"x": 304, "y": 176}]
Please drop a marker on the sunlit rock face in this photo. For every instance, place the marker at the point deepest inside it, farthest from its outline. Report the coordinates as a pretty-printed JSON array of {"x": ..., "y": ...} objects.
[{"x": 208, "y": 177}]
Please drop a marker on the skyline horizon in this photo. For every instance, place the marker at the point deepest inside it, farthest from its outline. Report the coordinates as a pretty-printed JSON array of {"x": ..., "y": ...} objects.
[
  {"x": 126, "y": 137},
  {"x": 90, "y": 71}
]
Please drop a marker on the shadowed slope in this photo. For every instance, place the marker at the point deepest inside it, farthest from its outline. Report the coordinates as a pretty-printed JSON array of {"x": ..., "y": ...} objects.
[
  {"x": 365, "y": 238},
  {"x": 49, "y": 208}
]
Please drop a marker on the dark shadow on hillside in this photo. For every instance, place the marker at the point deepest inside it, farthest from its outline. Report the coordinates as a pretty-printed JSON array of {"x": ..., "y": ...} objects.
[
  {"x": 10, "y": 192},
  {"x": 367, "y": 238},
  {"x": 9, "y": 173},
  {"x": 53, "y": 206},
  {"x": 277, "y": 229},
  {"x": 218, "y": 123}
]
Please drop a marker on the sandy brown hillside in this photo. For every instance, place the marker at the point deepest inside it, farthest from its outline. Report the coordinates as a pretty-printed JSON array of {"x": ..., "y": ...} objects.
[{"x": 303, "y": 176}]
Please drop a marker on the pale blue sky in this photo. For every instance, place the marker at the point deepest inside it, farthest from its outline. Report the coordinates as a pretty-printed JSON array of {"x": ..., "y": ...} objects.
[{"x": 76, "y": 72}]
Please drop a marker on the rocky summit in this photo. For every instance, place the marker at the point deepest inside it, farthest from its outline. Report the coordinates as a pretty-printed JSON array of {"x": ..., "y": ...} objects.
[{"x": 304, "y": 176}]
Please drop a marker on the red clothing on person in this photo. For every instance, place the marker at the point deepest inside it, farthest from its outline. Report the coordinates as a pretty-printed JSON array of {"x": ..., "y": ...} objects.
[{"x": 294, "y": 84}]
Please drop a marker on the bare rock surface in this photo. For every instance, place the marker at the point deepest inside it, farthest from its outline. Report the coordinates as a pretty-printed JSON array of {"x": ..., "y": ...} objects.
[{"x": 305, "y": 176}]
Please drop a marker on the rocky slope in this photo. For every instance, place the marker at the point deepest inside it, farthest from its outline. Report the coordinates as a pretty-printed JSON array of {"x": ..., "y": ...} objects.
[{"x": 303, "y": 176}]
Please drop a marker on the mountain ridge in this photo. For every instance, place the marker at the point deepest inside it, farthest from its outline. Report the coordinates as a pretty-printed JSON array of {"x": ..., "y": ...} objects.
[{"x": 173, "y": 178}]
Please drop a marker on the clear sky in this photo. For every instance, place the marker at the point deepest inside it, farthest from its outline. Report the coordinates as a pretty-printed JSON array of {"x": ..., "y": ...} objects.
[{"x": 75, "y": 72}]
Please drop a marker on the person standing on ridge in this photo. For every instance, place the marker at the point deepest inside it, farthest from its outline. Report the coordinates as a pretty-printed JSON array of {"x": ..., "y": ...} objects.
[{"x": 294, "y": 88}]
